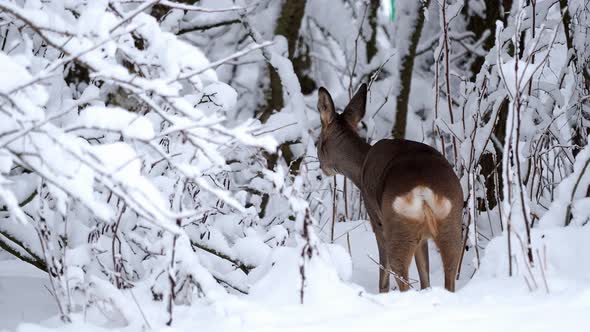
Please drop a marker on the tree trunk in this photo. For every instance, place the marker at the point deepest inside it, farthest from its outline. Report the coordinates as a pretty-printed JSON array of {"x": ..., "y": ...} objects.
[
  {"x": 372, "y": 42},
  {"x": 478, "y": 25},
  {"x": 487, "y": 165},
  {"x": 288, "y": 25},
  {"x": 495, "y": 10},
  {"x": 405, "y": 71}
]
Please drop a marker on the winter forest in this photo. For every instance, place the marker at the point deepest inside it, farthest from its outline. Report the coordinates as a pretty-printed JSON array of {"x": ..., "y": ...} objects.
[{"x": 160, "y": 163}]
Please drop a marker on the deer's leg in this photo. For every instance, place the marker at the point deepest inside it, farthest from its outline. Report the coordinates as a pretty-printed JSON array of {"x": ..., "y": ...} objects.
[
  {"x": 400, "y": 260},
  {"x": 377, "y": 227},
  {"x": 402, "y": 244},
  {"x": 450, "y": 245},
  {"x": 422, "y": 263},
  {"x": 383, "y": 272}
]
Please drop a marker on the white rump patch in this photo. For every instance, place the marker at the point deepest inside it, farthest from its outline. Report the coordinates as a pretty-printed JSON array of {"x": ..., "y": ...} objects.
[{"x": 411, "y": 205}]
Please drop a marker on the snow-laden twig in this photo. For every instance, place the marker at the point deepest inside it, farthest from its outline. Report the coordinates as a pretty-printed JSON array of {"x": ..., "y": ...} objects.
[{"x": 246, "y": 50}]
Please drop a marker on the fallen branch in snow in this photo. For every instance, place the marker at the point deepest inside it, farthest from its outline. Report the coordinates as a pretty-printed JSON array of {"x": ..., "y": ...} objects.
[
  {"x": 34, "y": 260},
  {"x": 239, "y": 264},
  {"x": 231, "y": 285}
]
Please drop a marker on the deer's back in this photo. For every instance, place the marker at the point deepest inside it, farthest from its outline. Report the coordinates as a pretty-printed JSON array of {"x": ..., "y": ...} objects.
[{"x": 394, "y": 168}]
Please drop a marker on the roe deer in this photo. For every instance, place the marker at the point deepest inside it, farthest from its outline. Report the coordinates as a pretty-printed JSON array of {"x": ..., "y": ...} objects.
[{"x": 410, "y": 191}]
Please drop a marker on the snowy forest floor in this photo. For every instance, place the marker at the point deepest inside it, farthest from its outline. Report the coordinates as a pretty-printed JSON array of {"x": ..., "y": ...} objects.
[
  {"x": 25, "y": 296},
  {"x": 482, "y": 303}
]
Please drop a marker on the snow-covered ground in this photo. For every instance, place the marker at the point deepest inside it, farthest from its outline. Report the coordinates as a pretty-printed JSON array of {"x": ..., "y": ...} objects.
[
  {"x": 490, "y": 301},
  {"x": 24, "y": 294}
]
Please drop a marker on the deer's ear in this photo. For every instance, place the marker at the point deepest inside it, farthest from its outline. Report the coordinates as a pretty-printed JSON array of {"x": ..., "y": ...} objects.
[
  {"x": 355, "y": 111},
  {"x": 326, "y": 107}
]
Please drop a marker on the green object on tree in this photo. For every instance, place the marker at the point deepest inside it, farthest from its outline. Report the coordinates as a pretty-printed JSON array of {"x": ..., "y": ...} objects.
[{"x": 392, "y": 17}]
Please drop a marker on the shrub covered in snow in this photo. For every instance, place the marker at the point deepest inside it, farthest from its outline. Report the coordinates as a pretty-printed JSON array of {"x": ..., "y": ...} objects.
[{"x": 118, "y": 164}]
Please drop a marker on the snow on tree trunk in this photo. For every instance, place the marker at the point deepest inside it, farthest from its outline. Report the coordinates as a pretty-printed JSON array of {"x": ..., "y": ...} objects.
[{"x": 409, "y": 20}]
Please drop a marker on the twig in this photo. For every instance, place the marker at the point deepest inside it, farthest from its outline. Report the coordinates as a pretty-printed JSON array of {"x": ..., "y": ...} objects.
[
  {"x": 221, "y": 280},
  {"x": 140, "y": 310},
  {"x": 34, "y": 260},
  {"x": 26, "y": 201},
  {"x": 193, "y": 8},
  {"x": 239, "y": 264},
  {"x": 395, "y": 275},
  {"x": 207, "y": 26},
  {"x": 543, "y": 267},
  {"x": 248, "y": 49}
]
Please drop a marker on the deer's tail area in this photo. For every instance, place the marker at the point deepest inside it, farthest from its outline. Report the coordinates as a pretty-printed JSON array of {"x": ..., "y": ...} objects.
[{"x": 422, "y": 205}]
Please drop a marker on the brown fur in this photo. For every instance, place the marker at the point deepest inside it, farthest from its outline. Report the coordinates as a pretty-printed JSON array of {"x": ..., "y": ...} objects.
[{"x": 430, "y": 198}]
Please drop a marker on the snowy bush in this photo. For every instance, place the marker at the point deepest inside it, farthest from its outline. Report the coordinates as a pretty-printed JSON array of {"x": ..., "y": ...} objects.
[{"x": 116, "y": 158}]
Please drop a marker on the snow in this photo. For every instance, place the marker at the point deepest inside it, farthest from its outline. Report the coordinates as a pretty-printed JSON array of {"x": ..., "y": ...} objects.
[
  {"x": 517, "y": 79},
  {"x": 30, "y": 98},
  {"x": 571, "y": 191},
  {"x": 223, "y": 95},
  {"x": 24, "y": 295},
  {"x": 176, "y": 56},
  {"x": 489, "y": 302},
  {"x": 117, "y": 119},
  {"x": 122, "y": 164}
]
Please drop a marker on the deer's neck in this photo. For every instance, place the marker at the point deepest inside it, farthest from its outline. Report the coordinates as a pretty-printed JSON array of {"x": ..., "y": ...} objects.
[{"x": 354, "y": 150}]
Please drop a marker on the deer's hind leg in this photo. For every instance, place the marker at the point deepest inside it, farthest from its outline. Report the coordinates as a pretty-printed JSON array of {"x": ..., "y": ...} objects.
[
  {"x": 449, "y": 242},
  {"x": 384, "y": 268},
  {"x": 423, "y": 264},
  {"x": 403, "y": 241},
  {"x": 377, "y": 227}
]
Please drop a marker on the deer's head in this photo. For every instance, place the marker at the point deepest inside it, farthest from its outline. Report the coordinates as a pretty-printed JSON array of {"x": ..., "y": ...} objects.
[{"x": 339, "y": 131}]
